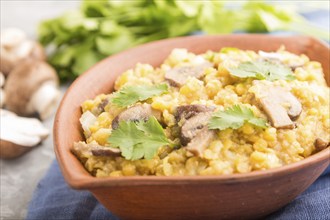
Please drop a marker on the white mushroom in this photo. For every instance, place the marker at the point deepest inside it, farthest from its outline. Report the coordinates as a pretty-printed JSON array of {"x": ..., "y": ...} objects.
[
  {"x": 15, "y": 48},
  {"x": 18, "y": 134},
  {"x": 281, "y": 106},
  {"x": 32, "y": 87}
]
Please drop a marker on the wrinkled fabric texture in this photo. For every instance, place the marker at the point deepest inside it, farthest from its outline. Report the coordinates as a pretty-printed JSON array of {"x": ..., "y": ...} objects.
[{"x": 54, "y": 199}]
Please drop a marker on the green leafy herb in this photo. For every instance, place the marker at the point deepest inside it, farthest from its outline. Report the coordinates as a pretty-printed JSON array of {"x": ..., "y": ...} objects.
[
  {"x": 106, "y": 27},
  {"x": 235, "y": 117},
  {"x": 129, "y": 95},
  {"x": 262, "y": 70},
  {"x": 139, "y": 140}
]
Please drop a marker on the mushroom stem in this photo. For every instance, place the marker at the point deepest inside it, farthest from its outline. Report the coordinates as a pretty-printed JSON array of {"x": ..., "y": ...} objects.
[{"x": 45, "y": 99}]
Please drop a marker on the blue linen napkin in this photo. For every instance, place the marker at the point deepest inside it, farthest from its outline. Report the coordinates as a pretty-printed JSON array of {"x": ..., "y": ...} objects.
[{"x": 54, "y": 199}]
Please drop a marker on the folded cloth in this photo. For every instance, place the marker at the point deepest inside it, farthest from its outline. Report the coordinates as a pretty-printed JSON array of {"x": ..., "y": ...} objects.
[{"x": 54, "y": 199}]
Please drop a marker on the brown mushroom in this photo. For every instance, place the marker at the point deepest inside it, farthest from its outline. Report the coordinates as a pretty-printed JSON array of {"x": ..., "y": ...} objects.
[
  {"x": 320, "y": 144},
  {"x": 195, "y": 133},
  {"x": 15, "y": 48},
  {"x": 178, "y": 76},
  {"x": 32, "y": 87},
  {"x": 136, "y": 113},
  {"x": 18, "y": 134},
  {"x": 279, "y": 58},
  {"x": 84, "y": 150},
  {"x": 188, "y": 111},
  {"x": 281, "y": 106}
]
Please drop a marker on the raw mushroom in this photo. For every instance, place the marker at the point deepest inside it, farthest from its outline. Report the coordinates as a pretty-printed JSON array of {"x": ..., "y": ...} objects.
[
  {"x": 195, "y": 134},
  {"x": 15, "y": 48},
  {"x": 178, "y": 76},
  {"x": 2, "y": 93},
  {"x": 136, "y": 113},
  {"x": 32, "y": 87},
  {"x": 18, "y": 134},
  {"x": 281, "y": 106}
]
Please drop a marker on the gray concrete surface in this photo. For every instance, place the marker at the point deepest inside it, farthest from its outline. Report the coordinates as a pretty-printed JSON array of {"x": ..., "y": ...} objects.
[{"x": 19, "y": 177}]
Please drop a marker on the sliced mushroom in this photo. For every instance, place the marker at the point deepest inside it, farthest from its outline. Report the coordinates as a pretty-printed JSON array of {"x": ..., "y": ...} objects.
[
  {"x": 136, "y": 113},
  {"x": 18, "y": 134},
  {"x": 188, "y": 111},
  {"x": 32, "y": 87},
  {"x": 84, "y": 150},
  {"x": 195, "y": 133},
  {"x": 320, "y": 144},
  {"x": 281, "y": 106},
  {"x": 201, "y": 141},
  {"x": 178, "y": 76},
  {"x": 15, "y": 48},
  {"x": 279, "y": 58}
]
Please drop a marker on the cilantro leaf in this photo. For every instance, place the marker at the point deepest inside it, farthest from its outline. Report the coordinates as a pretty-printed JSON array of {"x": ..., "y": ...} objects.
[
  {"x": 262, "y": 70},
  {"x": 138, "y": 140},
  {"x": 132, "y": 94},
  {"x": 235, "y": 117}
]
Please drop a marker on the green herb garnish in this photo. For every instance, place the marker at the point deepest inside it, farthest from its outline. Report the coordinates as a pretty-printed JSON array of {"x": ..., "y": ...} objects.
[
  {"x": 138, "y": 140},
  {"x": 262, "y": 70},
  {"x": 129, "y": 95},
  {"x": 235, "y": 117}
]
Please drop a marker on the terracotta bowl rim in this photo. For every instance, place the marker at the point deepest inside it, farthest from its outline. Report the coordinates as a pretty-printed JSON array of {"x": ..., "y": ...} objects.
[{"x": 79, "y": 180}]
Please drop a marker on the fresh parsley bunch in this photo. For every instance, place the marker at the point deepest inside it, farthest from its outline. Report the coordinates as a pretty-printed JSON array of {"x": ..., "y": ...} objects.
[{"x": 82, "y": 37}]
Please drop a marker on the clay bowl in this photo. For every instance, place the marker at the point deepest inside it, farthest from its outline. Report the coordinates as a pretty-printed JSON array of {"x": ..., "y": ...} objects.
[{"x": 251, "y": 195}]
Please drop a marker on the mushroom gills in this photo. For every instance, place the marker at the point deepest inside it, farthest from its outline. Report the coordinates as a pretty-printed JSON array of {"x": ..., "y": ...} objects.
[
  {"x": 178, "y": 76},
  {"x": 195, "y": 134},
  {"x": 281, "y": 106},
  {"x": 136, "y": 113}
]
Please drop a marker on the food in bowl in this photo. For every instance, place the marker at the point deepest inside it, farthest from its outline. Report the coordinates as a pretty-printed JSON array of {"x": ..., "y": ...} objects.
[{"x": 225, "y": 112}]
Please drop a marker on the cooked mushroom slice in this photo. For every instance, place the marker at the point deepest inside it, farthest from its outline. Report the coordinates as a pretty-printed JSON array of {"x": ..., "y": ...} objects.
[
  {"x": 83, "y": 150},
  {"x": 15, "y": 48},
  {"x": 281, "y": 106},
  {"x": 136, "y": 113},
  {"x": 106, "y": 151},
  {"x": 188, "y": 111},
  {"x": 32, "y": 88},
  {"x": 195, "y": 133},
  {"x": 203, "y": 139},
  {"x": 279, "y": 58},
  {"x": 178, "y": 76},
  {"x": 320, "y": 144},
  {"x": 19, "y": 135}
]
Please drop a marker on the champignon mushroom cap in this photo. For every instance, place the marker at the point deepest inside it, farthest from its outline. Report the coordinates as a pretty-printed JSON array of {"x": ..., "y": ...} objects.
[
  {"x": 9, "y": 150},
  {"x": 15, "y": 48},
  {"x": 18, "y": 134},
  {"x": 178, "y": 76},
  {"x": 24, "y": 81},
  {"x": 281, "y": 106},
  {"x": 136, "y": 113}
]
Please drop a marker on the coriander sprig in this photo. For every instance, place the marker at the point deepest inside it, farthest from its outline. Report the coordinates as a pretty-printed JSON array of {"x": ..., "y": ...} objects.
[{"x": 235, "y": 117}]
